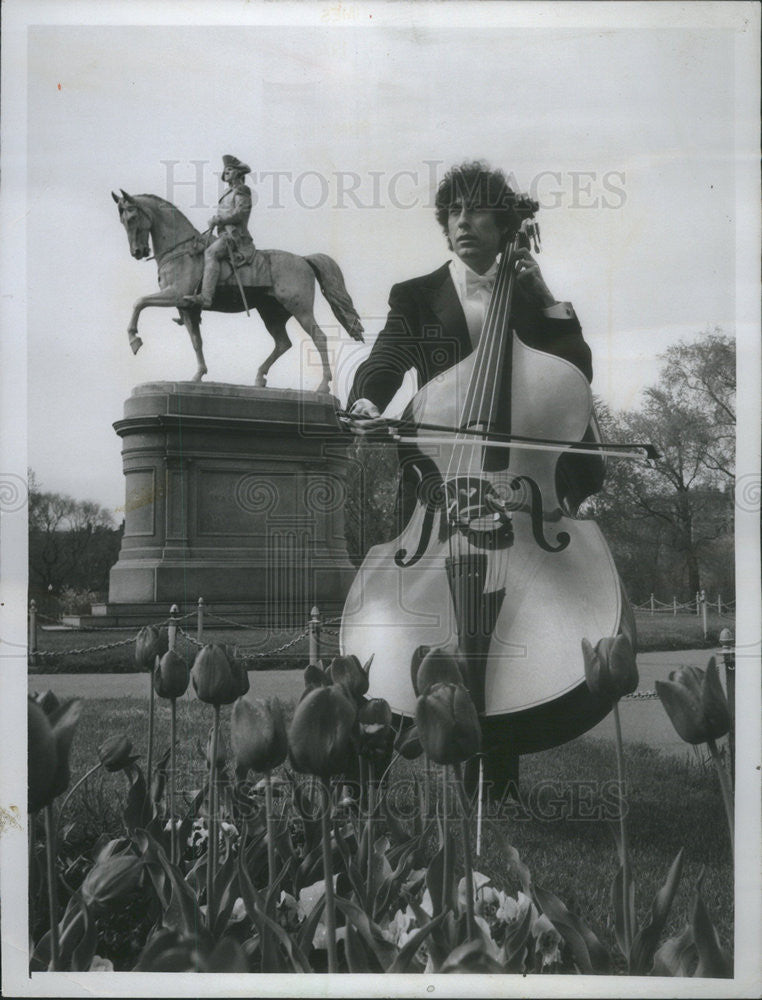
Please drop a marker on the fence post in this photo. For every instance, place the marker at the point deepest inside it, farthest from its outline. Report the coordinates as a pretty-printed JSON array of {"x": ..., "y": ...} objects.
[
  {"x": 674, "y": 606},
  {"x": 729, "y": 659},
  {"x": 698, "y": 604},
  {"x": 652, "y": 604},
  {"x": 174, "y": 614},
  {"x": 314, "y": 633},
  {"x": 719, "y": 604},
  {"x": 33, "y": 633},
  {"x": 703, "y": 611},
  {"x": 200, "y": 620}
]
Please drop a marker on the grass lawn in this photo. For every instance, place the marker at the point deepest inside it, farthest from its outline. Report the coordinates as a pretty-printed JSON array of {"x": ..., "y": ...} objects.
[
  {"x": 655, "y": 632},
  {"x": 560, "y": 826}
]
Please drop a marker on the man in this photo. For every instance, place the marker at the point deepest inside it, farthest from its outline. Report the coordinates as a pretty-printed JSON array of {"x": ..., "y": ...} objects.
[
  {"x": 435, "y": 321},
  {"x": 231, "y": 222}
]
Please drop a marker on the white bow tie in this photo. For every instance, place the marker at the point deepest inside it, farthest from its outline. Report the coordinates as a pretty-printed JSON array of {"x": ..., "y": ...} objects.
[{"x": 475, "y": 282}]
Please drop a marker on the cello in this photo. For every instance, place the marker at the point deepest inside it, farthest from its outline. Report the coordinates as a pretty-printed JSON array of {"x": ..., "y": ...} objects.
[{"x": 493, "y": 560}]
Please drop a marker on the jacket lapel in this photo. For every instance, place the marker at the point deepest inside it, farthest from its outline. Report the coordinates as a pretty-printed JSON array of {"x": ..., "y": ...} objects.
[{"x": 445, "y": 303}]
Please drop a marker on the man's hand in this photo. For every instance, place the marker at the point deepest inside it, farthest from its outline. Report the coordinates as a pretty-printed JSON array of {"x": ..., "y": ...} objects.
[
  {"x": 364, "y": 418},
  {"x": 530, "y": 280},
  {"x": 214, "y": 221}
]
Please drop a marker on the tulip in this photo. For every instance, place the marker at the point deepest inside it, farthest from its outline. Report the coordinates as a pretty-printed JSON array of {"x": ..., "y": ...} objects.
[
  {"x": 111, "y": 880},
  {"x": 49, "y": 745},
  {"x": 699, "y": 711},
  {"x": 447, "y": 723},
  {"x": 150, "y": 642},
  {"x": 351, "y": 675},
  {"x": 611, "y": 673},
  {"x": 610, "y": 668},
  {"x": 258, "y": 735},
  {"x": 437, "y": 666},
  {"x": 695, "y": 702},
  {"x": 171, "y": 676},
  {"x": 115, "y": 753},
  {"x": 170, "y": 680},
  {"x": 375, "y": 724},
  {"x": 320, "y": 736},
  {"x": 320, "y": 741},
  {"x": 218, "y": 679}
]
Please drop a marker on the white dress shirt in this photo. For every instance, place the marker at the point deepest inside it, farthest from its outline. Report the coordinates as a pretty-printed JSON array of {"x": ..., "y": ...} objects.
[{"x": 474, "y": 291}]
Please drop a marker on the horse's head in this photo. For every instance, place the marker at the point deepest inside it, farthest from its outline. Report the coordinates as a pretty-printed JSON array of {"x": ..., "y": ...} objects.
[{"x": 137, "y": 221}]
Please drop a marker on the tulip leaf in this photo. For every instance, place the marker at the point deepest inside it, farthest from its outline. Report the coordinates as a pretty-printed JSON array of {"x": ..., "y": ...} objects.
[
  {"x": 305, "y": 804},
  {"x": 183, "y": 905},
  {"x": 618, "y": 905},
  {"x": 471, "y": 956},
  {"x": 510, "y": 857},
  {"x": 358, "y": 959},
  {"x": 83, "y": 953},
  {"x": 515, "y": 944},
  {"x": 256, "y": 910},
  {"x": 159, "y": 776},
  {"x": 371, "y": 933},
  {"x": 309, "y": 926},
  {"x": 408, "y": 951},
  {"x": 228, "y": 956},
  {"x": 713, "y": 962},
  {"x": 352, "y": 871},
  {"x": 588, "y": 953},
  {"x": 225, "y": 894},
  {"x": 137, "y": 811},
  {"x": 647, "y": 938},
  {"x": 677, "y": 955}
]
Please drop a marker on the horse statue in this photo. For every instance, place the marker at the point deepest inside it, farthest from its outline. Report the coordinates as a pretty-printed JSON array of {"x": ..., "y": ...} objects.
[{"x": 278, "y": 284}]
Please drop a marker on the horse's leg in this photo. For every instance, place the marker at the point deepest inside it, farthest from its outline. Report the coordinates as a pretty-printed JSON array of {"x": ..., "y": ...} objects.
[
  {"x": 274, "y": 317},
  {"x": 306, "y": 317},
  {"x": 167, "y": 298},
  {"x": 192, "y": 320}
]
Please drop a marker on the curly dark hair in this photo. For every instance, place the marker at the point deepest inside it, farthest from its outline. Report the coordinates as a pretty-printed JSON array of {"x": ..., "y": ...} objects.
[{"x": 474, "y": 183}]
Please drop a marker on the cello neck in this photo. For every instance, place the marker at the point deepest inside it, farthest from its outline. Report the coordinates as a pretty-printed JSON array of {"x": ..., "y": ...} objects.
[{"x": 492, "y": 365}]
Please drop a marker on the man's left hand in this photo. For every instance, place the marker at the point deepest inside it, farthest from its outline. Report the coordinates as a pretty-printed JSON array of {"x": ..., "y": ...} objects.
[{"x": 530, "y": 280}]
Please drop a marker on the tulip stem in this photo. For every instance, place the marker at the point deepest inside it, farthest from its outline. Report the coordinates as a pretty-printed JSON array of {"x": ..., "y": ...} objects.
[
  {"x": 211, "y": 859},
  {"x": 172, "y": 765},
  {"x": 73, "y": 789},
  {"x": 371, "y": 808},
  {"x": 467, "y": 859},
  {"x": 149, "y": 752},
  {"x": 270, "y": 829},
  {"x": 330, "y": 907},
  {"x": 623, "y": 834},
  {"x": 50, "y": 846},
  {"x": 727, "y": 791},
  {"x": 445, "y": 843}
]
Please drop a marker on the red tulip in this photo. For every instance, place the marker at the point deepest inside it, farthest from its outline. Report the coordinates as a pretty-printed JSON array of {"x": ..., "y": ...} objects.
[
  {"x": 349, "y": 672},
  {"x": 150, "y": 642},
  {"x": 695, "y": 702},
  {"x": 49, "y": 743},
  {"x": 438, "y": 666},
  {"x": 375, "y": 724},
  {"x": 258, "y": 735},
  {"x": 320, "y": 736},
  {"x": 115, "y": 753},
  {"x": 217, "y": 679},
  {"x": 447, "y": 723},
  {"x": 610, "y": 669},
  {"x": 171, "y": 676}
]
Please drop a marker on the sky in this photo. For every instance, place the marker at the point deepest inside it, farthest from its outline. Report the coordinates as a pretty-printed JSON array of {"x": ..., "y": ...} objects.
[{"x": 625, "y": 136}]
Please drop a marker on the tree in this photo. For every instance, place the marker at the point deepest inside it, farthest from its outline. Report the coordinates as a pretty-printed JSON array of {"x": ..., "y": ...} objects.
[
  {"x": 72, "y": 543},
  {"x": 677, "y": 513}
]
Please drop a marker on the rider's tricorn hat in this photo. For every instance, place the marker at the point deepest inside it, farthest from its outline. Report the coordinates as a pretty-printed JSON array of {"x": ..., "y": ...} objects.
[{"x": 235, "y": 163}]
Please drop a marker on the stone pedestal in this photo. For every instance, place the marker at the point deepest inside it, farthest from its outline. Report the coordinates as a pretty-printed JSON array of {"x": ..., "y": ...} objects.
[{"x": 233, "y": 494}]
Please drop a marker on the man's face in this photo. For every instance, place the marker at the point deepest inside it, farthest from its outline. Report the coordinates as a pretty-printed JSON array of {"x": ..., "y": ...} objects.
[{"x": 474, "y": 235}]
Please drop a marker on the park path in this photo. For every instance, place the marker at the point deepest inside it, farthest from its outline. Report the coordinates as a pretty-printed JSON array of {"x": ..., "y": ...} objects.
[{"x": 643, "y": 720}]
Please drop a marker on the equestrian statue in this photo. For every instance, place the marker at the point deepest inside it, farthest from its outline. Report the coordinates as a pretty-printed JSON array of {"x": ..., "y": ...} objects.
[{"x": 226, "y": 273}]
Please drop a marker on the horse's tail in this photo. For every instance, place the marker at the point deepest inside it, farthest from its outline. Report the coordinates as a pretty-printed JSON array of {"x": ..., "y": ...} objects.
[{"x": 331, "y": 281}]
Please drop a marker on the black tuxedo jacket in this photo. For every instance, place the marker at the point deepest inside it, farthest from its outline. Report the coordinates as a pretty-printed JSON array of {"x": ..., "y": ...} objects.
[{"x": 426, "y": 331}]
